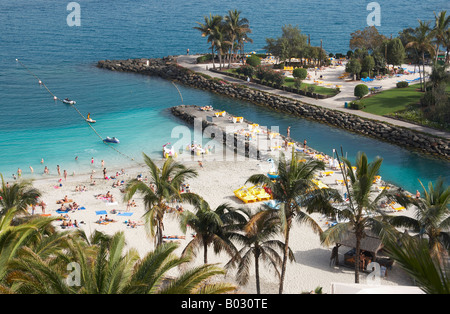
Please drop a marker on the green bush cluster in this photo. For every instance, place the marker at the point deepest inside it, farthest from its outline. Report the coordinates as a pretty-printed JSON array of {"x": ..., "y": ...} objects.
[
  {"x": 361, "y": 90},
  {"x": 254, "y": 61},
  {"x": 204, "y": 58},
  {"x": 402, "y": 84},
  {"x": 356, "y": 105}
]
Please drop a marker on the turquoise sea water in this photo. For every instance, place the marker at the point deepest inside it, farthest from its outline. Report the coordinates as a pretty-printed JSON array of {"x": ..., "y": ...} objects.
[{"x": 134, "y": 107}]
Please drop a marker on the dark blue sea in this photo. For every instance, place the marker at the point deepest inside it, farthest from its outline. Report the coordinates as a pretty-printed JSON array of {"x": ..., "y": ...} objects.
[{"x": 134, "y": 107}]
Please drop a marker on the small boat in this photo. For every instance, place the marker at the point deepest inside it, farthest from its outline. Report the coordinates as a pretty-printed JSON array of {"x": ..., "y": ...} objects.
[
  {"x": 111, "y": 140},
  {"x": 90, "y": 120},
  {"x": 69, "y": 102}
]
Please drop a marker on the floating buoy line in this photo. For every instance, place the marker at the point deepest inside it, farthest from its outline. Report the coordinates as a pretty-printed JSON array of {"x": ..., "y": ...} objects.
[{"x": 72, "y": 104}]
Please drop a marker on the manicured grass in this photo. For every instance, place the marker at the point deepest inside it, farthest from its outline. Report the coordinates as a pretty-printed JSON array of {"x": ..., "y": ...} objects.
[
  {"x": 319, "y": 89},
  {"x": 289, "y": 82},
  {"x": 392, "y": 100}
]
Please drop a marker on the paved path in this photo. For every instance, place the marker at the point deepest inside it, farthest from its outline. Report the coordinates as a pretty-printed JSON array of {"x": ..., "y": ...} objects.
[{"x": 334, "y": 103}]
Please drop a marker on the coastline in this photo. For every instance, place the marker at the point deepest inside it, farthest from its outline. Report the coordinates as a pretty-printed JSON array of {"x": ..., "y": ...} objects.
[
  {"x": 168, "y": 68},
  {"x": 215, "y": 183}
]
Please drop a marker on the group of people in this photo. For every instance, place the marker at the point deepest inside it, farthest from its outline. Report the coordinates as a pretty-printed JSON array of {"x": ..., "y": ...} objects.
[
  {"x": 102, "y": 220},
  {"x": 69, "y": 207},
  {"x": 80, "y": 188}
]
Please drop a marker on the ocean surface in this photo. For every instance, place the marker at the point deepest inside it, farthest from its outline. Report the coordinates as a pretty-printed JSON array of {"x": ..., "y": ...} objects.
[{"x": 134, "y": 108}]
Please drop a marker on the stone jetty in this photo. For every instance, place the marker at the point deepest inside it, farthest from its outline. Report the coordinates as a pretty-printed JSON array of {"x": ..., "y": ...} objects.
[{"x": 168, "y": 68}]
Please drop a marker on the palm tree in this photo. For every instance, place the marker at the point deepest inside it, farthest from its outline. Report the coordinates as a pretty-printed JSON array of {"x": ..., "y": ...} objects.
[
  {"x": 430, "y": 273},
  {"x": 35, "y": 233},
  {"x": 106, "y": 269},
  {"x": 208, "y": 29},
  {"x": 19, "y": 195},
  {"x": 442, "y": 22},
  {"x": 237, "y": 27},
  {"x": 421, "y": 41},
  {"x": 291, "y": 189},
  {"x": 446, "y": 43},
  {"x": 439, "y": 75},
  {"x": 221, "y": 41},
  {"x": 212, "y": 227},
  {"x": 432, "y": 218},
  {"x": 362, "y": 213},
  {"x": 162, "y": 189},
  {"x": 258, "y": 244}
]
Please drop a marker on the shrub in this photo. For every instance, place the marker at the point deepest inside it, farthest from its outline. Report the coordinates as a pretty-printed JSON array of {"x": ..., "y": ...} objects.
[
  {"x": 364, "y": 75},
  {"x": 300, "y": 73},
  {"x": 246, "y": 70},
  {"x": 260, "y": 72},
  {"x": 297, "y": 83},
  {"x": 278, "y": 78},
  {"x": 361, "y": 90},
  {"x": 356, "y": 105},
  {"x": 204, "y": 58},
  {"x": 402, "y": 84},
  {"x": 253, "y": 61},
  {"x": 311, "y": 88}
]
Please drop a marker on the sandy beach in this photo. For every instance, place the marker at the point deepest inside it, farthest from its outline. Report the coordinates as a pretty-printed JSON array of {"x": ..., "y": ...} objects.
[{"x": 216, "y": 182}]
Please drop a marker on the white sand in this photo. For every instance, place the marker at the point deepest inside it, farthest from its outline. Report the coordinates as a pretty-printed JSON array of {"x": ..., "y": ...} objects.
[{"x": 215, "y": 183}]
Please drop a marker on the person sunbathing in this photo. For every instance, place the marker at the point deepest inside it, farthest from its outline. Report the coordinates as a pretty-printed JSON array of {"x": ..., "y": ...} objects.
[{"x": 109, "y": 220}]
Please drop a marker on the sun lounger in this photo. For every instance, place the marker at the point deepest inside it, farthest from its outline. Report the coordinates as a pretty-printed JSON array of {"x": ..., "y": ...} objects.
[
  {"x": 220, "y": 114},
  {"x": 320, "y": 184}
]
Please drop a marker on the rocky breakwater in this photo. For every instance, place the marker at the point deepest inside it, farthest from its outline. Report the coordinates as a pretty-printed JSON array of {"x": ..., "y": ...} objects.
[{"x": 167, "y": 68}]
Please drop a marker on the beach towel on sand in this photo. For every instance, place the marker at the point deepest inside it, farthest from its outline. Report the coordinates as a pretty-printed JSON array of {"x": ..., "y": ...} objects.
[
  {"x": 124, "y": 214},
  {"x": 101, "y": 212}
]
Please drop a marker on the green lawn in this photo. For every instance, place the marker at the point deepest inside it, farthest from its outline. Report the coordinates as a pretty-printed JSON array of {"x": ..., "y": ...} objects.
[
  {"x": 319, "y": 89},
  {"x": 289, "y": 81},
  {"x": 392, "y": 100}
]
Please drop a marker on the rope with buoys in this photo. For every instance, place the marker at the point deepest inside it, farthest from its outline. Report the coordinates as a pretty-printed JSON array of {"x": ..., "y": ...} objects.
[{"x": 76, "y": 109}]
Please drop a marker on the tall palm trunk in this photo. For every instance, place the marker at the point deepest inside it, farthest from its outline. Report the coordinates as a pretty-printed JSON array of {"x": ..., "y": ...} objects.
[
  {"x": 285, "y": 255},
  {"x": 258, "y": 285},
  {"x": 423, "y": 74},
  {"x": 357, "y": 260},
  {"x": 205, "y": 253},
  {"x": 213, "y": 57}
]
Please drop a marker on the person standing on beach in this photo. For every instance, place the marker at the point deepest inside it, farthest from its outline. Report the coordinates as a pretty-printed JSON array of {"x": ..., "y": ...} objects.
[
  {"x": 59, "y": 170},
  {"x": 103, "y": 163},
  {"x": 19, "y": 173},
  {"x": 304, "y": 144},
  {"x": 92, "y": 161},
  {"x": 289, "y": 132},
  {"x": 65, "y": 175}
]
